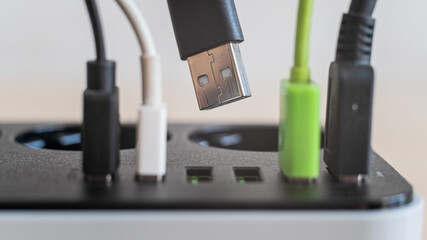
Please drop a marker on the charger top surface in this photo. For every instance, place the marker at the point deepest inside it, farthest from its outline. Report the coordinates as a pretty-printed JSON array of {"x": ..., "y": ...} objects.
[{"x": 209, "y": 167}]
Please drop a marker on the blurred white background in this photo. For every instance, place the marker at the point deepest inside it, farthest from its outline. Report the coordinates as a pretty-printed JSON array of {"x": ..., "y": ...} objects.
[{"x": 44, "y": 46}]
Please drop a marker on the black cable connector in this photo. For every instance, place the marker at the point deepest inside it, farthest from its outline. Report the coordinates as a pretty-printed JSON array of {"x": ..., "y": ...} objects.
[
  {"x": 207, "y": 33},
  {"x": 347, "y": 147},
  {"x": 101, "y": 126}
]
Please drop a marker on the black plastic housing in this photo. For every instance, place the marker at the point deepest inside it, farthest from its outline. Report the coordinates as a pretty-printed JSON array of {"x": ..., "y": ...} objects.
[
  {"x": 200, "y": 25},
  {"x": 101, "y": 127},
  {"x": 350, "y": 95},
  {"x": 348, "y": 121},
  {"x": 100, "y": 133}
]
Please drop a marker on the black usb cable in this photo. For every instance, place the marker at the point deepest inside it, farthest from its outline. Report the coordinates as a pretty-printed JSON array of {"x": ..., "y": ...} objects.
[
  {"x": 207, "y": 33},
  {"x": 101, "y": 127},
  {"x": 347, "y": 147}
]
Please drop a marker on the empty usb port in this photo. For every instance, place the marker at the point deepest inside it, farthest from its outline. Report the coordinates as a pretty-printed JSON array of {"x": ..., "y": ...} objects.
[
  {"x": 199, "y": 174},
  {"x": 247, "y": 174}
]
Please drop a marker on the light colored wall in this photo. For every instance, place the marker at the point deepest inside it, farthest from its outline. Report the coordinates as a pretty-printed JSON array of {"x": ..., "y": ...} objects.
[{"x": 44, "y": 45}]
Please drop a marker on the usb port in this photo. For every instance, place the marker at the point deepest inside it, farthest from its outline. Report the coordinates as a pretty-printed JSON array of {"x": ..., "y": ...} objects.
[
  {"x": 199, "y": 174},
  {"x": 247, "y": 174}
]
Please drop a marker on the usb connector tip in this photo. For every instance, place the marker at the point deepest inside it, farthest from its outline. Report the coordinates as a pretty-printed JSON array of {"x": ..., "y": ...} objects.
[{"x": 219, "y": 76}]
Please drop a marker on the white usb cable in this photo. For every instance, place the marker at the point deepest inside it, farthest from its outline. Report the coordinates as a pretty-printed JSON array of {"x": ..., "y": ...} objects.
[{"x": 152, "y": 113}]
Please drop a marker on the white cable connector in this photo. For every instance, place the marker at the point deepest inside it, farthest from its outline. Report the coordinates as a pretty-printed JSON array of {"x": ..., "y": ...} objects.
[
  {"x": 152, "y": 114},
  {"x": 151, "y": 143},
  {"x": 152, "y": 124}
]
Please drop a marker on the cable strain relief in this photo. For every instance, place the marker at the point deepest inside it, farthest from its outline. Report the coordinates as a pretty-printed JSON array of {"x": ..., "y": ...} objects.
[
  {"x": 101, "y": 75},
  {"x": 300, "y": 74},
  {"x": 151, "y": 79},
  {"x": 355, "y": 39}
]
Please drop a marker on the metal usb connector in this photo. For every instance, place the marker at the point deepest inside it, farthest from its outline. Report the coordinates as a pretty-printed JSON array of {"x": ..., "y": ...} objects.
[{"x": 219, "y": 76}]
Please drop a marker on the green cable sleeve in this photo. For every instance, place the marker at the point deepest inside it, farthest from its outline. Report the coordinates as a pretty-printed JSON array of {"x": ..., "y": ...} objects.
[
  {"x": 300, "y": 71},
  {"x": 299, "y": 125},
  {"x": 299, "y": 130}
]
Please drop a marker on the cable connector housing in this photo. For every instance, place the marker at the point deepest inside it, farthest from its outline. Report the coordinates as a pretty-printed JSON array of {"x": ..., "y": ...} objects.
[
  {"x": 151, "y": 143},
  {"x": 299, "y": 131},
  {"x": 299, "y": 125},
  {"x": 101, "y": 126},
  {"x": 200, "y": 25},
  {"x": 347, "y": 145}
]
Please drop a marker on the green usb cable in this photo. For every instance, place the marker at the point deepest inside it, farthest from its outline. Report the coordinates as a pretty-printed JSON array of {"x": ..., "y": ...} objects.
[{"x": 299, "y": 127}]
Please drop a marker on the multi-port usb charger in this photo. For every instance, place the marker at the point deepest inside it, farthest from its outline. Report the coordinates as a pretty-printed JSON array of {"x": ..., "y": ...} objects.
[{"x": 221, "y": 182}]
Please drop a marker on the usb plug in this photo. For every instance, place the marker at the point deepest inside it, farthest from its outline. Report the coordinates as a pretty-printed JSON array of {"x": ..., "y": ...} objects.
[
  {"x": 347, "y": 148},
  {"x": 208, "y": 34},
  {"x": 219, "y": 76}
]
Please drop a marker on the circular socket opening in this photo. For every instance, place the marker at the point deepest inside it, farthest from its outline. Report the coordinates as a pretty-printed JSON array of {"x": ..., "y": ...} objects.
[
  {"x": 69, "y": 137},
  {"x": 247, "y": 138}
]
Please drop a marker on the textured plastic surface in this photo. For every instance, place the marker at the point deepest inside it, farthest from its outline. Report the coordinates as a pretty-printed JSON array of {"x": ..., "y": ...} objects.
[
  {"x": 401, "y": 223},
  {"x": 299, "y": 134},
  {"x": 355, "y": 39},
  {"x": 200, "y": 25},
  {"x": 51, "y": 179}
]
